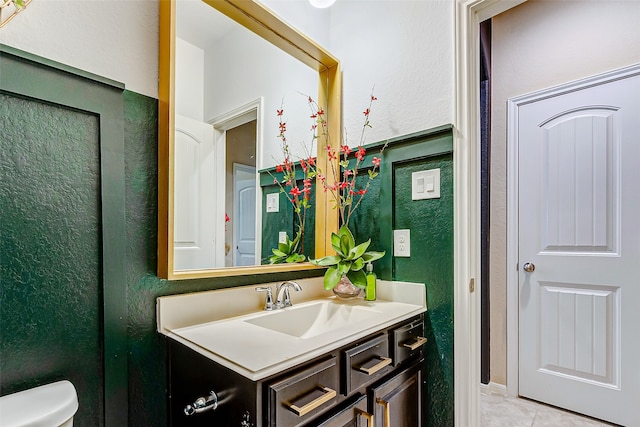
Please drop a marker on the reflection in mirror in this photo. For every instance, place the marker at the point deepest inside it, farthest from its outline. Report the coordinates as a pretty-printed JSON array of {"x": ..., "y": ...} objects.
[{"x": 229, "y": 83}]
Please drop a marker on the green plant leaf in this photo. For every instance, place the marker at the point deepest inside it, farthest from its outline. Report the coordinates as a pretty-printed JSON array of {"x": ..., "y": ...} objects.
[
  {"x": 372, "y": 256},
  {"x": 359, "y": 250},
  {"x": 344, "y": 266},
  {"x": 335, "y": 243},
  {"x": 357, "y": 264},
  {"x": 345, "y": 247},
  {"x": 284, "y": 248},
  {"x": 358, "y": 278},
  {"x": 295, "y": 258},
  {"x": 331, "y": 278},
  {"x": 277, "y": 252},
  {"x": 326, "y": 261},
  {"x": 344, "y": 231}
]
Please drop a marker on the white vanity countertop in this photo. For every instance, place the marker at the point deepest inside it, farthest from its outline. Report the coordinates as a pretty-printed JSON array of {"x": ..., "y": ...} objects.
[{"x": 224, "y": 328}]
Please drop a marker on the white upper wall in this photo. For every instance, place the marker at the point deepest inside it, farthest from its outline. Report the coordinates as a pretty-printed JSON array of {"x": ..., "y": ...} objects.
[
  {"x": 403, "y": 47},
  {"x": 189, "y": 82},
  {"x": 111, "y": 38},
  {"x": 243, "y": 68}
]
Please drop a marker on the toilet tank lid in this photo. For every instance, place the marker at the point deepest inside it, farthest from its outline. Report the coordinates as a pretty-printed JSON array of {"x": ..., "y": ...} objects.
[{"x": 44, "y": 406}]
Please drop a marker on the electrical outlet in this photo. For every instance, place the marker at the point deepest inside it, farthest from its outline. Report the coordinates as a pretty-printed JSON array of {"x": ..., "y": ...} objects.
[
  {"x": 401, "y": 243},
  {"x": 282, "y": 237}
]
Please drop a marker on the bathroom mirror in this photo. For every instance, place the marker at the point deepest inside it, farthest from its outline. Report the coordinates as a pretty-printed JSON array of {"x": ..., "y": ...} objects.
[{"x": 201, "y": 116}]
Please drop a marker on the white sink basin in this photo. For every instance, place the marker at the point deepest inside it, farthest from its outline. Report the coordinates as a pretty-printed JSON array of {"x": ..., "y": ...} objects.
[
  {"x": 314, "y": 319},
  {"x": 258, "y": 344}
]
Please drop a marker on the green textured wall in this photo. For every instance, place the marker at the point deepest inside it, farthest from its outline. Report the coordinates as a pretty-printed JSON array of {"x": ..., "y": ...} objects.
[
  {"x": 388, "y": 206},
  {"x": 50, "y": 251},
  {"x": 284, "y": 220},
  {"x": 431, "y": 262}
]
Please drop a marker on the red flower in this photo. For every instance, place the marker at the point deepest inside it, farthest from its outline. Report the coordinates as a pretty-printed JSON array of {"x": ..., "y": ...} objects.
[
  {"x": 376, "y": 162},
  {"x": 360, "y": 153},
  {"x": 226, "y": 217},
  {"x": 366, "y": 112},
  {"x": 311, "y": 161},
  {"x": 283, "y": 126},
  {"x": 344, "y": 184},
  {"x": 279, "y": 168},
  {"x": 345, "y": 150},
  {"x": 295, "y": 192},
  {"x": 320, "y": 112},
  {"x": 362, "y": 192},
  {"x": 280, "y": 112},
  {"x": 373, "y": 98},
  {"x": 331, "y": 152}
]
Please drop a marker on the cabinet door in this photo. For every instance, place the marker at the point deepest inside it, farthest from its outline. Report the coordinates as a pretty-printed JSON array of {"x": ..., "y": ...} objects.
[
  {"x": 354, "y": 415},
  {"x": 398, "y": 401}
]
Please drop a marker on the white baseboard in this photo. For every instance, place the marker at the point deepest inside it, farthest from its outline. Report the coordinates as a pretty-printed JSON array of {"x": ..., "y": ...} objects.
[{"x": 494, "y": 389}]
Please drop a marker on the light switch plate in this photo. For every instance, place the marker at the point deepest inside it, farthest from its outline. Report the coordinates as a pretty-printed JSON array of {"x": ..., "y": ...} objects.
[
  {"x": 401, "y": 243},
  {"x": 282, "y": 237},
  {"x": 425, "y": 184},
  {"x": 273, "y": 202}
]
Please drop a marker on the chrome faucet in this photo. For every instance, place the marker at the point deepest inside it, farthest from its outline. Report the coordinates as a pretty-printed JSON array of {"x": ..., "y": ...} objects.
[{"x": 283, "y": 298}]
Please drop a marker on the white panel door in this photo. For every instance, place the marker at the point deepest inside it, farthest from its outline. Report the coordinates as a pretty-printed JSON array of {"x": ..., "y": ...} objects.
[
  {"x": 244, "y": 227},
  {"x": 579, "y": 230},
  {"x": 194, "y": 195}
]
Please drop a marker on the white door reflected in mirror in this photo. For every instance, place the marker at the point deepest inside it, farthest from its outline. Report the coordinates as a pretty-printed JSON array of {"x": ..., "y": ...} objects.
[{"x": 194, "y": 232}]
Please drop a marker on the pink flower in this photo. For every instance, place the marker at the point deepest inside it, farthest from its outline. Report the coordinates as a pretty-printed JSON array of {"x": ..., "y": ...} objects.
[
  {"x": 376, "y": 162},
  {"x": 345, "y": 150},
  {"x": 360, "y": 153},
  {"x": 295, "y": 192},
  {"x": 280, "y": 112}
]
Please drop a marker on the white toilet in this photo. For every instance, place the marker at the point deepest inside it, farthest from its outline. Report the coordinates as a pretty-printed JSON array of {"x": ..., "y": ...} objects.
[{"x": 51, "y": 405}]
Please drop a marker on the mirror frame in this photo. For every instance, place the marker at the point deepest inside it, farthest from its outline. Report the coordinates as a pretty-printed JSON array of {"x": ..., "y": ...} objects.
[{"x": 257, "y": 18}]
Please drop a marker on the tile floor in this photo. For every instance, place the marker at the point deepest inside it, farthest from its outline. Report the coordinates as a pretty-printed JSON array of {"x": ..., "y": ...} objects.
[{"x": 502, "y": 411}]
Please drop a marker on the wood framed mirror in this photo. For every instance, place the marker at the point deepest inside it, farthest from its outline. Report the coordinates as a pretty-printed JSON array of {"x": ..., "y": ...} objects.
[{"x": 264, "y": 23}]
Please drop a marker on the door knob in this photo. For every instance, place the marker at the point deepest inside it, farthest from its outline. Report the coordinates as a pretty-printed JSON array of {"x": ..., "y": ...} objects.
[{"x": 529, "y": 267}]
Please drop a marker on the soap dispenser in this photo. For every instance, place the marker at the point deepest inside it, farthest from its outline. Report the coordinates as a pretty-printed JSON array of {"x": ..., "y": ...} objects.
[{"x": 370, "y": 290}]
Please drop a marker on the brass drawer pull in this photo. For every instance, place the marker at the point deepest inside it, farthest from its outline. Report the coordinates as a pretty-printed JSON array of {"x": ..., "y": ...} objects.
[
  {"x": 387, "y": 413},
  {"x": 327, "y": 396},
  {"x": 367, "y": 416},
  {"x": 420, "y": 341},
  {"x": 384, "y": 361}
]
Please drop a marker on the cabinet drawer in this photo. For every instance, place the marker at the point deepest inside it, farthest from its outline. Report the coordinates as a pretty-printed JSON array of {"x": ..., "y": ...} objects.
[
  {"x": 300, "y": 397},
  {"x": 365, "y": 363},
  {"x": 407, "y": 341}
]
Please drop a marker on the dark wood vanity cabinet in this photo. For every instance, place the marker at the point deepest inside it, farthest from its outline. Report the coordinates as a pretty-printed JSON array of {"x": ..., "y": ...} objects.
[{"x": 375, "y": 381}]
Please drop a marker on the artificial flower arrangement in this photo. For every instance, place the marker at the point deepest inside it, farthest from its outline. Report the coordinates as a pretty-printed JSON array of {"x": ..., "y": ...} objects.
[
  {"x": 299, "y": 197},
  {"x": 350, "y": 258}
]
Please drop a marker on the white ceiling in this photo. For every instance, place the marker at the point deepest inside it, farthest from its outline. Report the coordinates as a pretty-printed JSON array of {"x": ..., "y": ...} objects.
[{"x": 200, "y": 24}]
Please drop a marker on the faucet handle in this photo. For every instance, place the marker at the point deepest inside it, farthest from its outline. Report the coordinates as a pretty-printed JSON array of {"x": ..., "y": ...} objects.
[{"x": 268, "y": 304}]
